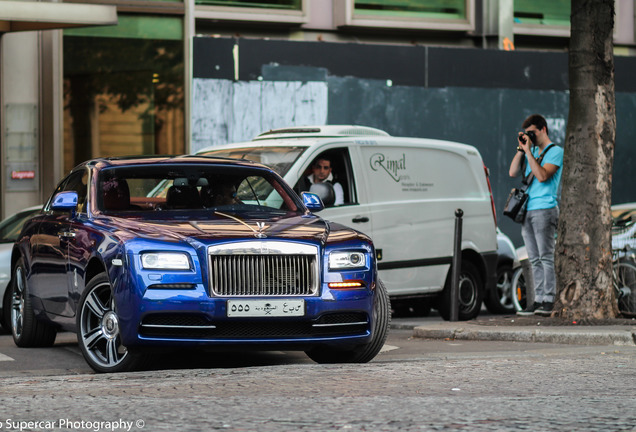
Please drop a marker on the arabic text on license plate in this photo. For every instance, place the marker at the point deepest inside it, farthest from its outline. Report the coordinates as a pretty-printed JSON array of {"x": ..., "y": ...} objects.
[{"x": 265, "y": 308}]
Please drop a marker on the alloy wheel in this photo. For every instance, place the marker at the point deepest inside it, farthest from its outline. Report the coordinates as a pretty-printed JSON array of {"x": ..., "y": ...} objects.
[
  {"x": 17, "y": 304},
  {"x": 99, "y": 328}
]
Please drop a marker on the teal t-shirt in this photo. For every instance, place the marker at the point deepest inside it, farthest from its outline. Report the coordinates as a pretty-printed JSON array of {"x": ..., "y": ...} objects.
[{"x": 545, "y": 195}]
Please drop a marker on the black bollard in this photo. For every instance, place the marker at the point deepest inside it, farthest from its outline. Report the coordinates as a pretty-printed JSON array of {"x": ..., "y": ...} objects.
[{"x": 457, "y": 262}]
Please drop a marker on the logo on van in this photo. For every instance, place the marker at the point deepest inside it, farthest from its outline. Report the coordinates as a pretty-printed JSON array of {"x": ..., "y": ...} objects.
[{"x": 391, "y": 166}]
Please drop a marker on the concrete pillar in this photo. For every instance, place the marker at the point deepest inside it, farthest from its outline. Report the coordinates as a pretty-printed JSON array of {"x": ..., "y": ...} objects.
[
  {"x": 21, "y": 128},
  {"x": 498, "y": 20}
]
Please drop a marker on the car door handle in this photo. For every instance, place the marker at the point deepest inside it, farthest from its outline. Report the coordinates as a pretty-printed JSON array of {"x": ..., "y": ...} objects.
[
  {"x": 66, "y": 234},
  {"x": 359, "y": 219}
]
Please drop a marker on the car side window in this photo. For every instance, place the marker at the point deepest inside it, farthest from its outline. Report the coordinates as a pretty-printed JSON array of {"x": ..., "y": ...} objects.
[{"x": 76, "y": 182}]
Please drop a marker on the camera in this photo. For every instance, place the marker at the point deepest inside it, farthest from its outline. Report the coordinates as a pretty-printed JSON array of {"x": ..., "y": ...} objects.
[{"x": 531, "y": 135}]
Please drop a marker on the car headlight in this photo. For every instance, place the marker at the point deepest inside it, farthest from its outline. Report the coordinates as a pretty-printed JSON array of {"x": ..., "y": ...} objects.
[
  {"x": 347, "y": 260},
  {"x": 165, "y": 261}
]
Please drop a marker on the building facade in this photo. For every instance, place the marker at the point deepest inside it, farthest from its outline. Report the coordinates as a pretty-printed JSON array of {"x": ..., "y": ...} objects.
[{"x": 172, "y": 77}]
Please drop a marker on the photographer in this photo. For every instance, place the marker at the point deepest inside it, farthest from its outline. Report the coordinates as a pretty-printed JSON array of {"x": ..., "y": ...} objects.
[{"x": 539, "y": 227}]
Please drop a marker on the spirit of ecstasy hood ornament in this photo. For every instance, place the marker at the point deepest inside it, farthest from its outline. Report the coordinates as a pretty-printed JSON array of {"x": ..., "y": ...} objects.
[{"x": 261, "y": 227}]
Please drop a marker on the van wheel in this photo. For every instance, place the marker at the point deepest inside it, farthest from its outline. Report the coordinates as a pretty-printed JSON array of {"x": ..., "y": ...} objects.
[
  {"x": 361, "y": 353},
  {"x": 471, "y": 292}
]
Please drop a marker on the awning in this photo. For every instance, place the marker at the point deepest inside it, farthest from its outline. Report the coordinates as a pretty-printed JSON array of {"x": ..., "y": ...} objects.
[{"x": 30, "y": 15}]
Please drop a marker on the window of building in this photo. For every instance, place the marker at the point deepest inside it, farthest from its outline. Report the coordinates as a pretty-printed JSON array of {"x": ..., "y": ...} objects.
[
  {"x": 124, "y": 89},
  {"x": 544, "y": 12},
  {"x": 406, "y": 14},
  {"x": 542, "y": 17},
  {"x": 437, "y": 9},
  {"x": 268, "y": 4},
  {"x": 286, "y": 12}
]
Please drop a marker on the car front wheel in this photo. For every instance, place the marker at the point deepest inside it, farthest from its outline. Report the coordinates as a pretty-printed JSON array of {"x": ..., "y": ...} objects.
[
  {"x": 98, "y": 330},
  {"x": 362, "y": 353}
]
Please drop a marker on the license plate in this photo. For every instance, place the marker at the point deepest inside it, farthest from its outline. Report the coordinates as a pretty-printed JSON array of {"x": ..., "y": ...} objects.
[{"x": 265, "y": 308}]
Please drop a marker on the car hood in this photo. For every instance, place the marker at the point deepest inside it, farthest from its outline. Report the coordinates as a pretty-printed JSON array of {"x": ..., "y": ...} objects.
[{"x": 220, "y": 226}]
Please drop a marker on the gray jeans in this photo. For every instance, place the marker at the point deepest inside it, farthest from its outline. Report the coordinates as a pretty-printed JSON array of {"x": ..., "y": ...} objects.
[{"x": 538, "y": 231}]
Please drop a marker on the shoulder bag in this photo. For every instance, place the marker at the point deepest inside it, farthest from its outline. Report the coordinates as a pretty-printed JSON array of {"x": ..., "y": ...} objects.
[{"x": 517, "y": 201}]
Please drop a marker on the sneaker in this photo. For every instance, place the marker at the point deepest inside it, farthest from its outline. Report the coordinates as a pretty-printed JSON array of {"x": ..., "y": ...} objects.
[
  {"x": 545, "y": 309},
  {"x": 529, "y": 310}
]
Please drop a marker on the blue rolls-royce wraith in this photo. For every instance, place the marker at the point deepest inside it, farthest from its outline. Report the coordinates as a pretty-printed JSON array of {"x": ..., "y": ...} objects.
[{"x": 147, "y": 253}]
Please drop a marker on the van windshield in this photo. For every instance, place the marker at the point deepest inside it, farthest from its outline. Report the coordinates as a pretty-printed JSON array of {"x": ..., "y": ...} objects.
[{"x": 280, "y": 159}]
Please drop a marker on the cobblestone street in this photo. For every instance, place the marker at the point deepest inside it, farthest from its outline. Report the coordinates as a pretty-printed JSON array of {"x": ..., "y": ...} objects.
[{"x": 583, "y": 389}]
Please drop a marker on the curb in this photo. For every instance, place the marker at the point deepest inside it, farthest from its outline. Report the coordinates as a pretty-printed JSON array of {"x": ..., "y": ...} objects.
[{"x": 559, "y": 335}]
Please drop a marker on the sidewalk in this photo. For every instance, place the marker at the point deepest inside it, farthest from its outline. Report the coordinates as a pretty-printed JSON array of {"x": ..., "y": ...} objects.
[{"x": 522, "y": 329}]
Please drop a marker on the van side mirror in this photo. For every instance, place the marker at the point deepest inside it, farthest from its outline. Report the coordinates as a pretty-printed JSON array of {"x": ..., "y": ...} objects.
[
  {"x": 312, "y": 201},
  {"x": 65, "y": 201}
]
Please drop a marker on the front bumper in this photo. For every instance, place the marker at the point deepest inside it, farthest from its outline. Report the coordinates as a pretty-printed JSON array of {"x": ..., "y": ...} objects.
[
  {"x": 181, "y": 317},
  {"x": 179, "y": 308},
  {"x": 192, "y": 317}
]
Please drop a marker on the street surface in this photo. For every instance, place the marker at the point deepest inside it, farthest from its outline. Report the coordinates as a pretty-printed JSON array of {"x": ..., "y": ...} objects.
[{"x": 415, "y": 384}]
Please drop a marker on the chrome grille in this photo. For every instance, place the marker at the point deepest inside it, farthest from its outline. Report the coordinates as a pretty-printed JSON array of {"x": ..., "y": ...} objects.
[{"x": 263, "y": 268}]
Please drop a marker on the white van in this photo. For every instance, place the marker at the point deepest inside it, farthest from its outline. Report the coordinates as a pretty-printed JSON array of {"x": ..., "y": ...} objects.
[{"x": 403, "y": 192}]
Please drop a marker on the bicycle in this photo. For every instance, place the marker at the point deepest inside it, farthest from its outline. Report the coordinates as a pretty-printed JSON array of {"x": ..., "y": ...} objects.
[
  {"x": 623, "y": 276},
  {"x": 624, "y": 262},
  {"x": 624, "y": 279},
  {"x": 518, "y": 294}
]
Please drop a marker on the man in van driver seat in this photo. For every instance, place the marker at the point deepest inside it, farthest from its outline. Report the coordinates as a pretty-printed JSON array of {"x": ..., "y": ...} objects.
[{"x": 321, "y": 172}]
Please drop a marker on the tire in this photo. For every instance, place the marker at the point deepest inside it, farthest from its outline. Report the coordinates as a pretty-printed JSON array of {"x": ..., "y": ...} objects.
[
  {"x": 5, "y": 316},
  {"x": 98, "y": 330},
  {"x": 519, "y": 299},
  {"x": 27, "y": 330},
  {"x": 499, "y": 299},
  {"x": 625, "y": 286},
  {"x": 471, "y": 293},
  {"x": 361, "y": 353}
]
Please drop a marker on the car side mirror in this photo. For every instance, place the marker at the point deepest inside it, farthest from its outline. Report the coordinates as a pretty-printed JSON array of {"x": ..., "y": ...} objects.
[
  {"x": 312, "y": 201},
  {"x": 65, "y": 201}
]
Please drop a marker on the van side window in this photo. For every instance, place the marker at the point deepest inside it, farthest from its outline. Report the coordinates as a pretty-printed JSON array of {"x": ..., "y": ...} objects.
[{"x": 341, "y": 175}]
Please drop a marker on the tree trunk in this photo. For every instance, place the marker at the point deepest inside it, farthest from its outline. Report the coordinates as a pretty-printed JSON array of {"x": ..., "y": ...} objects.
[{"x": 583, "y": 252}]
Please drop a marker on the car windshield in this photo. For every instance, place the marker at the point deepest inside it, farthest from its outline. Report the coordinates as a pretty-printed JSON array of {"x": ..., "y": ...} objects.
[
  {"x": 190, "y": 187},
  {"x": 11, "y": 227},
  {"x": 280, "y": 159}
]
